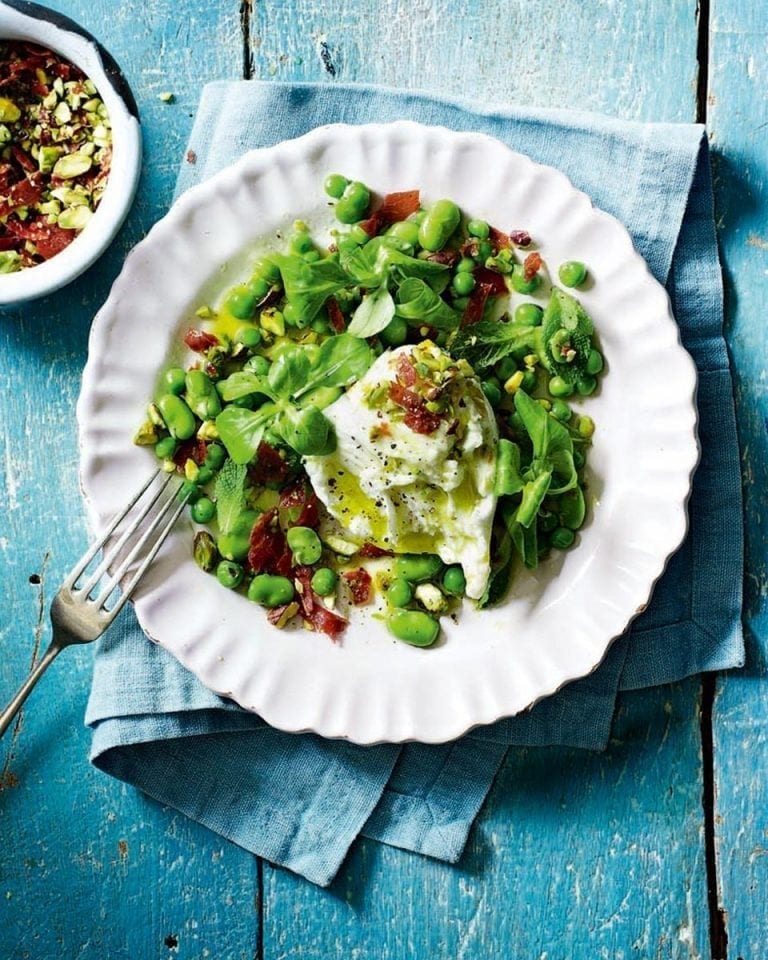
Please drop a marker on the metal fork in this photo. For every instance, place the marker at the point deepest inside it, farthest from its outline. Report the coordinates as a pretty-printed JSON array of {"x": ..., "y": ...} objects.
[{"x": 81, "y": 613}]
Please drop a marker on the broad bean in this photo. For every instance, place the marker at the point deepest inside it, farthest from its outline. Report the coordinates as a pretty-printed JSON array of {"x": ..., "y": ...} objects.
[
  {"x": 271, "y": 591},
  {"x": 418, "y": 567},
  {"x": 177, "y": 416},
  {"x": 441, "y": 220},
  {"x": 414, "y": 627}
]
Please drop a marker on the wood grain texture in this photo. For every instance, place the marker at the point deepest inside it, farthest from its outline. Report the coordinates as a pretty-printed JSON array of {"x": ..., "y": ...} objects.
[
  {"x": 738, "y": 120},
  {"x": 635, "y": 60},
  {"x": 88, "y": 868},
  {"x": 575, "y": 855}
]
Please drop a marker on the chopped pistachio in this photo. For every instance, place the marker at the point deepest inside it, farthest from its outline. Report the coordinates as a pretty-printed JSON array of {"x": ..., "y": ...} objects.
[
  {"x": 146, "y": 435},
  {"x": 89, "y": 86},
  {"x": 47, "y": 157},
  {"x": 91, "y": 105},
  {"x": 50, "y": 100},
  {"x": 5, "y": 133},
  {"x": 75, "y": 218},
  {"x": 288, "y": 613},
  {"x": 58, "y": 86},
  {"x": 10, "y": 261},
  {"x": 430, "y": 597},
  {"x": 166, "y": 96},
  {"x": 50, "y": 207},
  {"x": 204, "y": 312},
  {"x": 191, "y": 470},
  {"x": 72, "y": 165},
  {"x": 204, "y": 551},
  {"x": 208, "y": 430},
  {"x": 168, "y": 466},
  {"x": 88, "y": 149},
  {"x": 62, "y": 113},
  {"x": 9, "y": 112},
  {"x": 153, "y": 412},
  {"x": 272, "y": 321}
]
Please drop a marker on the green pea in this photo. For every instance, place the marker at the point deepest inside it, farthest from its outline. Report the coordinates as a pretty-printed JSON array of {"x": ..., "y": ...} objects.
[
  {"x": 572, "y": 273},
  {"x": 463, "y": 283},
  {"x": 465, "y": 265},
  {"x": 324, "y": 581},
  {"x": 418, "y": 567},
  {"x": 595, "y": 362},
  {"x": 301, "y": 243},
  {"x": 454, "y": 581},
  {"x": 559, "y": 387},
  {"x": 586, "y": 427},
  {"x": 291, "y": 315},
  {"x": 177, "y": 416},
  {"x": 562, "y": 538},
  {"x": 515, "y": 421},
  {"x": 203, "y": 510},
  {"x": 236, "y": 544},
  {"x": 484, "y": 250},
  {"x": 189, "y": 491},
  {"x": 529, "y": 381},
  {"x": 405, "y": 230},
  {"x": 561, "y": 411},
  {"x": 572, "y": 508},
  {"x": 250, "y": 337},
  {"x": 479, "y": 229},
  {"x": 165, "y": 448},
  {"x": 270, "y": 591},
  {"x": 360, "y": 236},
  {"x": 305, "y": 545},
  {"x": 505, "y": 368},
  {"x": 204, "y": 475},
  {"x": 529, "y": 315},
  {"x": 320, "y": 325},
  {"x": 520, "y": 284},
  {"x": 202, "y": 396},
  {"x": 229, "y": 574},
  {"x": 215, "y": 455},
  {"x": 258, "y": 365},
  {"x": 335, "y": 185},
  {"x": 267, "y": 269},
  {"x": 395, "y": 333},
  {"x": 399, "y": 593},
  {"x": 414, "y": 627},
  {"x": 492, "y": 392},
  {"x": 173, "y": 380},
  {"x": 441, "y": 220},
  {"x": 241, "y": 303},
  {"x": 586, "y": 385},
  {"x": 258, "y": 287},
  {"x": 353, "y": 204}
]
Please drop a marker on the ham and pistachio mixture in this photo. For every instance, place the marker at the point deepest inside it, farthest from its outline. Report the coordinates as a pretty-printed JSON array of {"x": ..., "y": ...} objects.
[{"x": 383, "y": 416}]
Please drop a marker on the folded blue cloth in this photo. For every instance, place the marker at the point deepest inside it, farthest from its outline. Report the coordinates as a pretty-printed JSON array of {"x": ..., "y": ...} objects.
[{"x": 300, "y": 800}]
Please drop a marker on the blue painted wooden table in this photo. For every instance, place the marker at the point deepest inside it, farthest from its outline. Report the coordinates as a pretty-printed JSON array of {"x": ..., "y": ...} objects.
[{"x": 656, "y": 848}]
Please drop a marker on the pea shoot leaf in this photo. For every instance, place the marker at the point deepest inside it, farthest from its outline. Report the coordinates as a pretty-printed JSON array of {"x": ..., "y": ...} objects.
[
  {"x": 419, "y": 304},
  {"x": 373, "y": 314}
]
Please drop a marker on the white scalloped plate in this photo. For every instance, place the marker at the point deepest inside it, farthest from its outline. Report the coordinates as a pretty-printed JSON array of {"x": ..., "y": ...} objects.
[{"x": 557, "y": 623}]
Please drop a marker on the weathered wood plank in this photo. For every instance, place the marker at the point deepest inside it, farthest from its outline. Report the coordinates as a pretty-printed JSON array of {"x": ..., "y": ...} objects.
[
  {"x": 634, "y": 60},
  {"x": 88, "y": 868},
  {"x": 738, "y": 119},
  {"x": 574, "y": 855}
]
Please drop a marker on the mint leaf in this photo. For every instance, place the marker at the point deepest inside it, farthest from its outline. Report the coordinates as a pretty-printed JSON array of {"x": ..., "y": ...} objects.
[{"x": 229, "y": 492}]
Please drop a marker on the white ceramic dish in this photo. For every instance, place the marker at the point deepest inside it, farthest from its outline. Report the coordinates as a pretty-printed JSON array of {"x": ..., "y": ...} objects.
[
  {"x": 557, "y": 623},
  {"x": 22, "y": 20}
]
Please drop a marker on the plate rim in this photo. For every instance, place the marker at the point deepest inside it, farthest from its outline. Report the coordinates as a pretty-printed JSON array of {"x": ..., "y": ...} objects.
[{"x": 231, "y": 173}]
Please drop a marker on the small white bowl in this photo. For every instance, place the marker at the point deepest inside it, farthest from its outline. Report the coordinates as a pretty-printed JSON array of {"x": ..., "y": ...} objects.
[{"x": 23, "y": 20}]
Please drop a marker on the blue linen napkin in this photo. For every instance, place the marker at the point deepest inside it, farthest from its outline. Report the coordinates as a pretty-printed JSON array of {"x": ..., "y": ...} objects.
[{"x": 300, "y": 800}]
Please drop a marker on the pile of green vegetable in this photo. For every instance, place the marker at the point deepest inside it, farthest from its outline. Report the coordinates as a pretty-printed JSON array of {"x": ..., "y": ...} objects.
[{"x": 306, "y": 325}]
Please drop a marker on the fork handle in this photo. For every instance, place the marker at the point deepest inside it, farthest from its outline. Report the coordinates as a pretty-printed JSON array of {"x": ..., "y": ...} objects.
[{"x": 6, "y": 717}]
